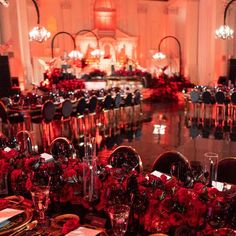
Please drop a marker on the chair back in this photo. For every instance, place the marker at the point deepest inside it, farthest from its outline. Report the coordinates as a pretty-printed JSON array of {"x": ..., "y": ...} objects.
[
  {"x": 107, "y": 103},
  {"x": 92, "y": 104},
  {"x": 137, "y": 97},
  {"x": 128, "y": 99},
  {"x": 117, "y": 100},
  {"x": 206, "y": 97},
  {"x": 167, "y": 160},
  {"x": 48, "y": 111},
  {"x": 226, "y": 170},
  {"x": 125, "y": 157},
  {"x": 220, "y": 97},
  {"x": 194, "y": 96},
  {"x": 3, "y": 112},
  {"x": 61, "y": 147},
  {"x": 233, "y": 98},
  {"x": 24, "y": 139},
  {"x": 81, "y": 106},
  {"x": 66, "y": 108},
  {"x": 6, "y": 101}
]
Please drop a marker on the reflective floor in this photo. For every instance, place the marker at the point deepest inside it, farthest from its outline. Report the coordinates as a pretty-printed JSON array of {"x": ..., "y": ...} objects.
[{"x": 160, "y": 128}]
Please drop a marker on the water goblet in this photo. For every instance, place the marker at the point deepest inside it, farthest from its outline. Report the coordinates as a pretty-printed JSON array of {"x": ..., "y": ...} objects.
[
  {"x": 40, "y": 193},
  {"x": 119, "y": 216}
]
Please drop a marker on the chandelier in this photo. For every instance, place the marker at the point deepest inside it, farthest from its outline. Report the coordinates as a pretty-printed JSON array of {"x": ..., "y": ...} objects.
[
  {"x": 38, "y": 33},
  {"x": 224, "y": 31},
  {"x": 5, "y": 3},
  {"x": 75, "y": 54},
  {"x": 159, "y": 56}
]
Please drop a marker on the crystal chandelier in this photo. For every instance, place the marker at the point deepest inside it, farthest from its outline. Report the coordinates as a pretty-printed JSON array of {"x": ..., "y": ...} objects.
[
  {"x": 5, "y": 3},
  {"x": 159, "y": 56},
  {"x": 75, "y": 54},
  {"x": 224, "y": 31},
  {"x": 38, "y": 33}
]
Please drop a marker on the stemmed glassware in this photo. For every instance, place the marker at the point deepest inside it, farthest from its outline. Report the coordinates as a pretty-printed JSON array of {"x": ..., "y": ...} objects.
[{"x": 40, "y": 193}]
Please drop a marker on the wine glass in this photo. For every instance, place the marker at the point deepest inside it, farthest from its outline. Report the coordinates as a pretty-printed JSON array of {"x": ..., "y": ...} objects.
[
  {"x": 40, "y": 193},
  {"x": 119, "y": 216}
]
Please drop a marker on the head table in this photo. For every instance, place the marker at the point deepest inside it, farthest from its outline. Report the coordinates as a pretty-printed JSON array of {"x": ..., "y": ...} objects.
[{"x": 158, "y": 203}]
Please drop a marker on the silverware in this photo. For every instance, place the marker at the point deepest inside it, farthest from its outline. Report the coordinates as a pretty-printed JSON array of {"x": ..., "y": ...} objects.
[{"x": 27, "y": 227}]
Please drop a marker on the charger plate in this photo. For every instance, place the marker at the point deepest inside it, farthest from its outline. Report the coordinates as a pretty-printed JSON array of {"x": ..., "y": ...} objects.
[{"x": 17, "y": 222}]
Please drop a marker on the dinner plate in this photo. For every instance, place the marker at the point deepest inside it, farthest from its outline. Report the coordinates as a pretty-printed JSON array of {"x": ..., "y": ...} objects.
[
  {"x": 60, "y": 220},
  {"x": 17, "y": 221}
]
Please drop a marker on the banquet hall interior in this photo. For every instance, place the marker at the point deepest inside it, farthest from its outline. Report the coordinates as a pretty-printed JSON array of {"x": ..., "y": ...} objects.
[{"x": 117, "y": 105}]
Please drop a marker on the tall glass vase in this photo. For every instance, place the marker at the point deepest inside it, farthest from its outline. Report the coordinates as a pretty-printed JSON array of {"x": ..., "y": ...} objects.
[{"x": 90, "y": 184}]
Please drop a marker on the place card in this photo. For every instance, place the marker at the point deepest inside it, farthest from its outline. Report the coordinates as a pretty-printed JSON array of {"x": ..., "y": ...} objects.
[
  {"x": 47, "y": 157},
  {"x": 221, "y": 186},
  {"x": 8, "y": 213},
  {"x": 84, "y": 231},
  {"x": 159, "y": 174}
]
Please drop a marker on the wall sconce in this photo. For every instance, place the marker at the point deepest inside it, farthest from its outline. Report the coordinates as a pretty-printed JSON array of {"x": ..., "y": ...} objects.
[
  {"x": 159, "y": 55},
  {"x": 96, "y": 52},
  {"x": 5, "y": 3},
  {"x": 74, "y": 53},
  {"x": 224, "y": 31},
  {"x": 38, "y": 33}
]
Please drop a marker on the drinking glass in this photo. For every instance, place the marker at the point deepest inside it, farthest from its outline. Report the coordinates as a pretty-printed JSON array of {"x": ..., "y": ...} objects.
[
  {"x": 119, "y": 216},
  {"x": 40, "y": 193},
  {"x": 210, "y": 166}
]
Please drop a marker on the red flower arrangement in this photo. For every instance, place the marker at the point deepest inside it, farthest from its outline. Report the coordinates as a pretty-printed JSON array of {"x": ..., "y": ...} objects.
[{"x": 160, "y": 205}]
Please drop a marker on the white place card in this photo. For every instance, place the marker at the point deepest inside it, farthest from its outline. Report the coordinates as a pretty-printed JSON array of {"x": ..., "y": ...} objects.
[
  {"x": 159, "y": 174},
  {"x": 83, "y": 231},
  {"x": 47, "y": 157},
  {"x": 8, "y": 213},
  {"x": 221, "y": 186}
]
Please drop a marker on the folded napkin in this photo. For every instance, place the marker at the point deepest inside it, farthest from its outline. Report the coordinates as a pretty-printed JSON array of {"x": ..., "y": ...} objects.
[
  {"x": 8, "y": 213},
  {"x": 47, "y": 157},
  {"x": 159, "y": 174},
  {"x": 83, "y": 231}
]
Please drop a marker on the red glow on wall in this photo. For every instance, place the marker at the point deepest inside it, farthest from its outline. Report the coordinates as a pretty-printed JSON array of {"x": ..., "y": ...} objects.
[
  {"x": 105, "y": 20},
  {"x": 105, "y": 15}
]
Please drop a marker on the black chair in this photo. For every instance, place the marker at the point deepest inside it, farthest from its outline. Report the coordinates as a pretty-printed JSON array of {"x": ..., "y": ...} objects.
[
  {"x": 220, "y": 105},
  {"x": 44, "y": 120},
  {"x": 226, "y": 170},
  {"x": 61, "y": 147},
  {"x": 125, "y": 157},
  {"x": 172, "y": 163},
  {"x": 66, "y": 109},
  {"x": 233, "y": 107},
  {"x": 207, "y": 101},
  {"x": 25, "y": 142},
  {"x": 12, "y": 122}
]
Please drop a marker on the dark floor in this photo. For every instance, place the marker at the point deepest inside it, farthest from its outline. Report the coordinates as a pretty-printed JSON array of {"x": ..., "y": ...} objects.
[{"x": 171, "y": 134}]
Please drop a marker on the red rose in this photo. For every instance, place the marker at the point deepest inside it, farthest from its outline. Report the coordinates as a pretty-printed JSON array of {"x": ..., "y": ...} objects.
[
  {"x": 70, "y": 225},
  {"x": 176, "y": 219}
]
